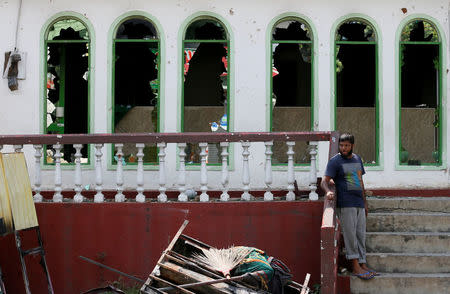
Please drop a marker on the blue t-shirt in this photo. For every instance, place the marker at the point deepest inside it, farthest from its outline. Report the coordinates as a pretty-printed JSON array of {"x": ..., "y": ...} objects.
[{"x": 347, "y": 175}]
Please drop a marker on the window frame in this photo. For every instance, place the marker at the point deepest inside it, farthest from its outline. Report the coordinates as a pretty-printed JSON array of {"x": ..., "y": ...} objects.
[
  {"x": 311, "y": 42},
  {"x": 228, "y": 42},
  {"x": 114, "y": 41},
  {"x": 440, "y": 106},
  {"x": 44, "y": 68},
  {"x": 376, "y": 43}
]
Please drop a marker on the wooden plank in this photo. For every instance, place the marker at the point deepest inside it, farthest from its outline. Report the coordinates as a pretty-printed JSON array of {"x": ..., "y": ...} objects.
[
  {"x": 5, "y": 207},
  {"x": 167, "y": 283},
  {"x": 305, "y": 289},
  {"x": 193, "y": 244},
  {"x": 19, "y": 188},
  {"x": 186, "y": 237},
  {"x": 180, "y": 275},
  {"x": 171, "y": 244},
  {"x": 191, "y": 264}
]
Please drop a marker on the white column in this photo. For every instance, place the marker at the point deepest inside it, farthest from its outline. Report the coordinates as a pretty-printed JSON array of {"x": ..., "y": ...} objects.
[
  {"x": 245, "y": 171},
  {"x": 140, "y": 197},
  {"x": 162, "y": 197},
  {"x": 78, "y": 197},
  {"x": 224, "y": 196},
  {"x": 37, "y": 173},
  {"x": 119, "y": 174},
  {"x": 203, "y": 173},
  {"x": 182, "y": 172},
  {"x": 290, "y": 171},
  {"x": 99, "y": 197},
  {"x": 313, "y": 172},
  {"x": 268, "y": 196},
  {"x": 57, "y": 196}
]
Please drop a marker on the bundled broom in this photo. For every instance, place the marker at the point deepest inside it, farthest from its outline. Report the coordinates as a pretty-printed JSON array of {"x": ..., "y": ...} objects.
[{"x": 223, "y": 260}]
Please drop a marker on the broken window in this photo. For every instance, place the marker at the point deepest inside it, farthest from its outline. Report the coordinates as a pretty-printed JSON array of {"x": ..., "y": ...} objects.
[
  {"x": 292, "y": 95},
  {"x": 357, "y": 86},
  {"x": 205, "y": 91},
  {"x": 420, "y": 94},
  {"x": 67, "y": 84},
  {"x": 136, "y": 84}
]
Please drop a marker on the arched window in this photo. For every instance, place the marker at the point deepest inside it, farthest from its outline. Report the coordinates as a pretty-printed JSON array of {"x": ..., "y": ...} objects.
[
  {"x": 206, "y": 81},
  {"x": 136, "y": 66},
  {"x": 292, "y": 84},
  {"x": 67, "y": 83},
  {"x": 356, "y": 86},
  {"x": 420, "y": 94}
]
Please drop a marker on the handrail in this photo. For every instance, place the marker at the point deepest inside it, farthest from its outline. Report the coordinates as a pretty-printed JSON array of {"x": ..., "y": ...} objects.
[
  {"x": 329, "y": 248},
  {"x": 329, "y": 234},
  {"x": 190, "y": 137}
]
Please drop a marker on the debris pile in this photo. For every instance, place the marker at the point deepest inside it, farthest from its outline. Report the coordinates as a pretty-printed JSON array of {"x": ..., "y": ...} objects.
[{"x": 191, "y": 266}]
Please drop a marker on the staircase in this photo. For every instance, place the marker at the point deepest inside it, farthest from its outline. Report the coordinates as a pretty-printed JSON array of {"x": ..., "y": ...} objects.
[{"x": 408, "y": 243}]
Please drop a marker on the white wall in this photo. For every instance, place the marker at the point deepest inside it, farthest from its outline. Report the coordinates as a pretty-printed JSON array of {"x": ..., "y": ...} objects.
[{"x": 19, "y": 111}]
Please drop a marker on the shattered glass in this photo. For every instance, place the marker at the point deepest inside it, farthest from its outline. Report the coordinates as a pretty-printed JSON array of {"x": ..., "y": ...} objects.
[
  {"x": 59, "y": 30},
  {"x": 356, "y": 30},
  {"x": 419, "y": 31},
  {"x": 136, "y": 29}
]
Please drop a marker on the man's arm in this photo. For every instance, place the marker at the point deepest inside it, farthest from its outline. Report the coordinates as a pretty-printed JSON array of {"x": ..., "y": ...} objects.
[{"x": 327, "y": 184}]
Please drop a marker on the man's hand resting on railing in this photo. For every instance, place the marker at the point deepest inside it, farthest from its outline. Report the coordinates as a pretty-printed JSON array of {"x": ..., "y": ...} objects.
[{"x": 330, "y": 195}]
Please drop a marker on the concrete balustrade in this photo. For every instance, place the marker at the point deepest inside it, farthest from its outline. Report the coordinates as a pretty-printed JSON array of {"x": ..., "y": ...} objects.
[{"x": 164, "y": 166}]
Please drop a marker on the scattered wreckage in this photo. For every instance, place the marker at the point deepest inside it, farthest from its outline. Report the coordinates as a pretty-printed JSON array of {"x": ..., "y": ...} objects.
[{"x": 186, "y": 267}]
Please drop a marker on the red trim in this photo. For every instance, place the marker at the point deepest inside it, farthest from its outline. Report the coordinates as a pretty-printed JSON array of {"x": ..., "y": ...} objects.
[{"x": 411, "y": 192}]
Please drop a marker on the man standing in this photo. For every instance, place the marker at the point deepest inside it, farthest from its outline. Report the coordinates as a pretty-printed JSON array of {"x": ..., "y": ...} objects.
[{"x": 345, "y": 170}]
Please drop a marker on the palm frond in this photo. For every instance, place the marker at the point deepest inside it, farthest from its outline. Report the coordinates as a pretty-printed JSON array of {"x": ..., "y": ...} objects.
[{"x": 223, "y": 260}]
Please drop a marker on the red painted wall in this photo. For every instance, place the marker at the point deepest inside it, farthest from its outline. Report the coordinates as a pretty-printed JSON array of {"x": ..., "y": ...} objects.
[{"x": 131, "y": 236}]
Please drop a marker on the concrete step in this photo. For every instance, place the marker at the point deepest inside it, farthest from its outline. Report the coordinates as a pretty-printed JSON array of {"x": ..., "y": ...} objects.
[
  {"x": 408, "y": 242},
  {"x": 418, "y": 263},
  {"x": 409, "y": 204},
  {"x": 406, "y": 283},
  {"x": 408, "y": 222}
]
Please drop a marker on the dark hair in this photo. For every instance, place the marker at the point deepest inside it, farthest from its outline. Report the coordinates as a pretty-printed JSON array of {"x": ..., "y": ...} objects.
[{"x": 347, "y": 137}]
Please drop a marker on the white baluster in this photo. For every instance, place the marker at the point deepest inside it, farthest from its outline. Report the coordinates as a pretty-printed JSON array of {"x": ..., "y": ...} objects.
[
  {"x": 17, "y": 148},
  {"x": 57, "y": 196},
  {"x": 290, "y": 171},
  {"x": 224, "y": 196},
  {"x": 245, "y": 172},
  {"x": 203, "y": 173},
  {"x": 37, "y": 173},
  {"x": 162, "y": 197},
  {"x": 119, "y": 174},
  {"x": 99, "y": 197},
  {"x": 313, "y": 172},
  {"x": 140, "y": 197},
  {"x": 182, "y": 172},
  {"x": 268, "y": 196},
  {"x": 78, "y": 197}
]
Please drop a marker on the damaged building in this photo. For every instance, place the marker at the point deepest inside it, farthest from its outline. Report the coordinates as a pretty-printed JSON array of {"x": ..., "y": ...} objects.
[{"x": 378, "y": 70}]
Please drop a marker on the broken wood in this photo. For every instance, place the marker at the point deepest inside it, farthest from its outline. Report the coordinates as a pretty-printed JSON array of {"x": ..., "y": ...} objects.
[{"x": 210, "y": 282}]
